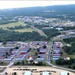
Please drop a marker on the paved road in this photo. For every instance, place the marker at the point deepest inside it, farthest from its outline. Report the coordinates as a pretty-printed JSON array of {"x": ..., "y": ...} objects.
[
  {"x": 39, "y": 31},
  {"x": 3, "y": 66},
  {"x": 59, "y": 67},
  {"x": 3, "y": 73},
  {"x": 49, "y": 51}
]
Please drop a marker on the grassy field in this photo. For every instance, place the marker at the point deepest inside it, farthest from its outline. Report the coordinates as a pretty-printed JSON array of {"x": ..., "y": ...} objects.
[
  {"x": 17, "y": 24},
  {"x": 24, "y": 30},
  {"x": 12, "y": 25}
]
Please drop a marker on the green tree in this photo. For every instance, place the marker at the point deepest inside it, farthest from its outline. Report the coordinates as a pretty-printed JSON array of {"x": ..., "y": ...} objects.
[
  {"x": 73, "y": 66},
  {"x": 23, "y": 62}
]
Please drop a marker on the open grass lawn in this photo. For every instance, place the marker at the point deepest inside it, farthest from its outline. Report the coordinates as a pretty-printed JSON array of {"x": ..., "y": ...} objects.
[
  {"x": 17, "y": 24},
  {"x": 4, "y": 26},
  {"x": 24, "y": 30}
]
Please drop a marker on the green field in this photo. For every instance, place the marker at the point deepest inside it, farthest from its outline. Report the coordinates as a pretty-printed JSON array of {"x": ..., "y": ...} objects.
[
  {"x": 24, "y": 30},
  {"x": 4, "y": 26}
]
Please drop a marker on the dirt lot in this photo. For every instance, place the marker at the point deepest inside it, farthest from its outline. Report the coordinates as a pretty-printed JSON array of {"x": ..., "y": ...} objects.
[{"x": 36, "y": 70}]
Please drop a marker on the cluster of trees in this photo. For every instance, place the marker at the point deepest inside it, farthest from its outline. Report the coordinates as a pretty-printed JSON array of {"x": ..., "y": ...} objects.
[
  {"x": 42, "y": 11},
  {"x": 5, "y": 17},
  {"x": 38, "y": 26},
  {"x": 1, "y": 63},
  {"x": 69, "y": 49},
  {"x": 70, "y": 63},
  {"x": 69, "y": 40},
  {"x": 41, "y": 64},
  {"x": 6, "y": 35},
  {"x": 69, "y": 27},
  {"x": 18, "y": 27},
  {"x": 44, "y": 46},
  {"x": 8, "y": 53},
  {"x": 51, "y": 32},
  {"x": 2, "y": 22},
  {"x": 41, "y": 25},
  {"x": 31, "y": 63},
  {"x": 14, "y": 73}
]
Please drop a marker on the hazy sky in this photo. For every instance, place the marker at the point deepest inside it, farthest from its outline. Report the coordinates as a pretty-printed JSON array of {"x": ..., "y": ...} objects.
[{"x": 29, "y": 3}]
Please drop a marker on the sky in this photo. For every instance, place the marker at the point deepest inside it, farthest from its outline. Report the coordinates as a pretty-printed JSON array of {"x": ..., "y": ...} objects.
[{"x": 4, "y": 4}]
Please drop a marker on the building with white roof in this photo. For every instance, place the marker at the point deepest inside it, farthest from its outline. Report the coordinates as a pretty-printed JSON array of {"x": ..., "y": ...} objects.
[
  {"x": 64, "y": 73},
  {"x": 59, "y": 29},
  {"x": 55, "y": 58},
  {"x": 39, "y": 59},
  {"x": 45, "y": 73},
  {"x": 27, "y": 73}
]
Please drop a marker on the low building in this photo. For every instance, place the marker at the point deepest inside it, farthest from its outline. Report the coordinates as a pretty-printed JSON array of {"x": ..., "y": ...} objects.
[
  {"x": 45, "y": 73},
  {"x": 41, "y": 55},
  {"x": 59, "y": 29},
  {"x": 28, "y": 73},
  {"x": 55, "y": 58},
  {"x": 20, "y": 57},
  {"x": 64, "y": 73},
  {"x": 39, "y": 59},
  {"x": 42, "y": 51}
]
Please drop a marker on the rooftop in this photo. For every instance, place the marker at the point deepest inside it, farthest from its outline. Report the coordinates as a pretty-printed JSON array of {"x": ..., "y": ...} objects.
[
  {"x": 63, "y": 73},
  {"x": 27, "y": 73},
  {"x": 45, "y": 73}
]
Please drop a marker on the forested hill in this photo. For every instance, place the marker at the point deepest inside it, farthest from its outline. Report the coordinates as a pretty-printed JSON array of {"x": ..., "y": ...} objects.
[{"x": 49, "y": 11}]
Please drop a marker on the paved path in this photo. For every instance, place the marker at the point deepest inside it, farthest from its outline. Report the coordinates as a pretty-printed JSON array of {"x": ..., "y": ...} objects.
[
  {"x": 39, "y": 31},
  {"x": 59, "y": 67},
  {"x": 3, "y": 73}
]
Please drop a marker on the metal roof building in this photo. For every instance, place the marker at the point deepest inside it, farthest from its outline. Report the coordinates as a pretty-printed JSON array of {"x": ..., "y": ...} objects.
[
  {"x": 64, "y": 73},
  {"x": 45, "y": 73},
  {"x": 27, "y": 73}
]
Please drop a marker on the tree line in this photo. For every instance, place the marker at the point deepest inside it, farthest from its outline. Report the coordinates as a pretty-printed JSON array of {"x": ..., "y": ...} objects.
[
  {"x": 6, "y": 35},
  {"x": 69, "y": 49},
  {"x": 70, "y": 63},
  {"x": 51, "y": 32},
  {"x": 2, "y": 22},
  {"x": 69, "y": 40}
]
